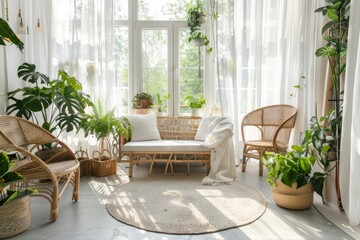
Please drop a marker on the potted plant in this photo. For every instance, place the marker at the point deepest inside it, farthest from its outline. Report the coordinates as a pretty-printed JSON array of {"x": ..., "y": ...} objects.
[
  {"x": 57, "y": 105},
  {"x": 195, "y": 17},
  {"x": 142, "y": 100},
  {"x": 320, "y": 140},
  {"x": 161, "y": 102},
  {"x": 195, "y": 103},
  {"x": 291, "y": 179},
  {"x": 102, "y": 124},
  {"x": 15, "y": 209}
]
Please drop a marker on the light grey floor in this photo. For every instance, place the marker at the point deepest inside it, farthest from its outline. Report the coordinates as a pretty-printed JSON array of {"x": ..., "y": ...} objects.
[{"x": 88, "y": 218}]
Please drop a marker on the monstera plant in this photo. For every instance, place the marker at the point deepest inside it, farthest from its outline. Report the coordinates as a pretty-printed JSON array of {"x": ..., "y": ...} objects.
[{"x": 56, "y": 105}]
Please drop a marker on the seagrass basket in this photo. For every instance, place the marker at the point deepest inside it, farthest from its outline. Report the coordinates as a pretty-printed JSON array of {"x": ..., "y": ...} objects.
[
  {"x": 15, "y": 217},
  {"x": 101, "y": 165},
  {"x": 85, "y": 162}
]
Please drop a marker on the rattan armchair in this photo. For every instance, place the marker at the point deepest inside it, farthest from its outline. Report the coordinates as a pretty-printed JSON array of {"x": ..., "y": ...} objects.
[
  {"x": 25, "y": 137},
  {"x": 273, "y": 125}
]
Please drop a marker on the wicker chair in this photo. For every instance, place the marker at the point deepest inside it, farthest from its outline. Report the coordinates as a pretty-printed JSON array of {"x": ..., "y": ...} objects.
[
  {"x": 274, "y": 124},
  {"x": 25, "y": 137}
]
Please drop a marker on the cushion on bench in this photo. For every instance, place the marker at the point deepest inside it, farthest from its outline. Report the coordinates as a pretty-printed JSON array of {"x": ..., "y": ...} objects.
[{"x": 165, "y": 146}]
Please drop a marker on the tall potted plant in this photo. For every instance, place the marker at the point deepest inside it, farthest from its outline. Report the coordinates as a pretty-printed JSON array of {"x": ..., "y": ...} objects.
[
  {"x": 335, "y": 32},
  {"x": 102, "y": 124},
  {"x": 291, "y": 178},
  {"x": 56, "y": 105},
  {"x": 15, "y": 209}
]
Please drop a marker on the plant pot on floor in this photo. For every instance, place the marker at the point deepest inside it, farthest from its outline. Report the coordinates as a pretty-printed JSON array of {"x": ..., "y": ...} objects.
[
  {"x": 15, "y": 217},
  {"x": 101, "y": 165},
  {"x": 292, "y": 198}
]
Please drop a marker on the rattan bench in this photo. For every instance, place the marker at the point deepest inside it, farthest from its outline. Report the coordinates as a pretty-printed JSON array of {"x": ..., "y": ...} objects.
[{"x": 177, "y": 145}]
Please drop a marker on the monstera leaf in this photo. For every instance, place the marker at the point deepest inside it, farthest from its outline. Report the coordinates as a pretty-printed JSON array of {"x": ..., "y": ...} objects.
[
  {"x": 27, "y": 72},
  {"x": 7, "y": 35}
]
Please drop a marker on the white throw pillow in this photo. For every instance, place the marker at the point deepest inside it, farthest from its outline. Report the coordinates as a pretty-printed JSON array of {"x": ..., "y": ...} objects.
[
  {"x": 207, "y": 126},
  {"x": 144, "y": 127}
]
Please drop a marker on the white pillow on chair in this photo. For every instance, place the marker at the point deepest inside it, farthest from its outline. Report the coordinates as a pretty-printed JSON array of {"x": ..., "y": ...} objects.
[
  {"x": 144, "y": 127},
  {"x": 207, "y": 126}
]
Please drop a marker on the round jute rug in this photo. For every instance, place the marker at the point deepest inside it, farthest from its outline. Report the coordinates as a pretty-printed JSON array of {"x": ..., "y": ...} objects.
[{"x": 181, "y": 205}]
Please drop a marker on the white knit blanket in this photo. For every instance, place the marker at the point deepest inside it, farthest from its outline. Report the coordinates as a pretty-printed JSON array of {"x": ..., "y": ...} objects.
[{"x": 223, "y": 168}]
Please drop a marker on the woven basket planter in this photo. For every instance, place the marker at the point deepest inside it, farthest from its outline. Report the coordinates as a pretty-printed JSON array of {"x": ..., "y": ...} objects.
[
  {"x": 15, "y": 217},
  {"x": 293, "y": 198},
  {"x": 85, "y": 166},
  {"x": 103, "y": 167}
]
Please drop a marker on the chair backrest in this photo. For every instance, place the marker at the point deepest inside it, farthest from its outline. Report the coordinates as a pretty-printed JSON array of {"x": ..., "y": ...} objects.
[
  {"x": 23, "y": 132},
  {"x": 18, "y": 132},
  {"x": 275, "y": 121}
]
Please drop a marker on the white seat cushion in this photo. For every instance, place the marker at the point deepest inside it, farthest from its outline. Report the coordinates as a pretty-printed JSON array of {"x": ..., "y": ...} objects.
[{"x": 165, "y": 146}]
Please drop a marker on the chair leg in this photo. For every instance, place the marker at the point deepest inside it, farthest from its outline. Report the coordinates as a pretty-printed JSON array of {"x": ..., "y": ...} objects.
[
  {"x": 261, "y": 168},
  {"x": 131, "y": 166},
  {"x": 261, "y": 165},
  {"x": 243, "y": 165},
  {"x": 54, "y": 211},
  {"x": 76, "y": 185}
]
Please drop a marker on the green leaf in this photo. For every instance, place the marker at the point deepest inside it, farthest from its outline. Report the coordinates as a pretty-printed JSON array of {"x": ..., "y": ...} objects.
[
  {"x": 327, "y": 26},
  {"x": 326, "y": 51},
  {"x": 332, "y": 14},
  {"x": 7, "y": 33},
  {"x": 26, "y": 72},
  {"x": 4, "y": 164},
  {"x": 10, "y": 177}
]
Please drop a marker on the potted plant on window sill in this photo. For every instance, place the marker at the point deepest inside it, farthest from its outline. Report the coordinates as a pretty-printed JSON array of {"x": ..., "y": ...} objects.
[
  {"x": 195, "y": 104},
  {"x": 15, "y": 211},
  {"x": 161, "y": 103},
  {"x": 291, "y": 178},
  {"x": 142, "y": 100},
  {"x": 102, "y": 124}
]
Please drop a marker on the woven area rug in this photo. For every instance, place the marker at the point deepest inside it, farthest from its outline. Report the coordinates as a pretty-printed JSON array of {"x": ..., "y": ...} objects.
[{"x": 181, "y": 205}]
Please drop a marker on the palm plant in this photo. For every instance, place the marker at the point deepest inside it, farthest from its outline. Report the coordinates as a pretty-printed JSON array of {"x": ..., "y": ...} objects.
[{"x": 102, "y": 124}]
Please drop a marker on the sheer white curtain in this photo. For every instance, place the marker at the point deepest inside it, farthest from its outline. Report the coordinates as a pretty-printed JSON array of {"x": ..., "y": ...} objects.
[
  {"x": 350, "y": 145},
  {"x": 271, "y": 47},
  {"x": 82, "y": 45}
]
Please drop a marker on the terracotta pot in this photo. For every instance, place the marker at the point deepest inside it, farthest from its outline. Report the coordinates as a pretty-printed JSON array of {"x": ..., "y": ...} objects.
[
  {"x": 292, "y": 198},
  {"x": 144, "y": 103}
]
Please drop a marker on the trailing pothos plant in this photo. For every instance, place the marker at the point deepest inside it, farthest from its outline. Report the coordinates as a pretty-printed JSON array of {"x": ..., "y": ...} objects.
[
  {"x": 8, "y": 177},
  {"x": 56, "y": 105},
  {"x": 294, "y": 166}
]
